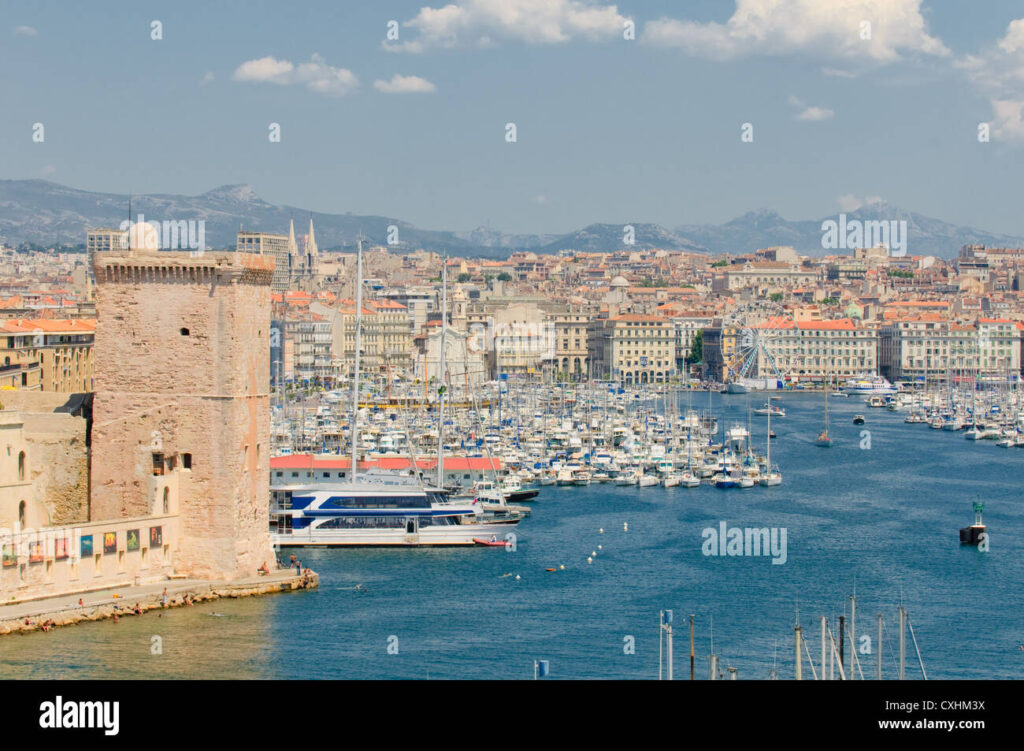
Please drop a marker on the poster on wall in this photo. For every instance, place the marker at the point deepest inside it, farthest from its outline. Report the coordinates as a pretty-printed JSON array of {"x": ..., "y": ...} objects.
[
  {"x": 35, "y": 552},
  {"x": 110, "y": 542},
  {"x": 156, "y": 537},
  {"x": 86, "y": 546},
  {"x": 60, "y": 548},
  {"x": 133, "y": 539},
  {"x": 9, "y": 559}
]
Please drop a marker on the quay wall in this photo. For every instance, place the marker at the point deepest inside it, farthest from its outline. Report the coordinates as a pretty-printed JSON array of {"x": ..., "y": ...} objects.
[
  {"x": 81, "y": 558},
  {"x": 46, "y": 617}
]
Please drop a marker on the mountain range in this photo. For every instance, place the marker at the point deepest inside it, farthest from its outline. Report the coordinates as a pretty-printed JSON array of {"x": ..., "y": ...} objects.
[{"x": 46, "y": 213}]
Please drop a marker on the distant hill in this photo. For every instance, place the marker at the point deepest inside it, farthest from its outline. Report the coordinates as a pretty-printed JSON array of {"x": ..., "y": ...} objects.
[
  {"x": 608, "y": 237},
  {"x": 43, "y": 212},
  {"x": 762, "y": 229}
]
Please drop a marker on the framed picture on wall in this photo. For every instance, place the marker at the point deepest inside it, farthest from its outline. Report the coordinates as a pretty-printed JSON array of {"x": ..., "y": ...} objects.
[
  {"x": 86, "y": 546},
  {"x": 60, "y": 548},
  {"x": 133, "y": 539},
  {"x": 110, "y": 542},
  {"x": 9, "y": 559},
  {"x": 156, "y": 537},
  {"x": 35, "y": 552}
]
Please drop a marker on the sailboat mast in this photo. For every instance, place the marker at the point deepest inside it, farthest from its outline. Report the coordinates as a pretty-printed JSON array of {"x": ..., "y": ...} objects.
[
  {"x": 354, "y": 431},
  {"x": 441, "y": 373},
  {"x": 853, "y": 631},
  {"x": 903, "y": 643}
]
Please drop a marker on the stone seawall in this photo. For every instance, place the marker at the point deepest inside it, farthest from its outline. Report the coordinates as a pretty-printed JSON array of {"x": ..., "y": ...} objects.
[{"x": 44, "y": 615}]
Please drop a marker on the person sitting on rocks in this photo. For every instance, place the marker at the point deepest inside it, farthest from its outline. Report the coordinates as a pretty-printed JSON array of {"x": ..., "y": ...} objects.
[{"x": 263, "y": 570}]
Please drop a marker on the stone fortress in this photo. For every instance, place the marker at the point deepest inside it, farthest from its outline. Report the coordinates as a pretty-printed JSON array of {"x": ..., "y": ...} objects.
[{"x": 179, "y": 436}]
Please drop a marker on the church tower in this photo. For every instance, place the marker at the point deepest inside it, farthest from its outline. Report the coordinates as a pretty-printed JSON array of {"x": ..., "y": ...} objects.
[
  {"x": 310, "y": 252},
  {"x": 460, "y": 312},
  {"x": 293, "y": 253},
  {"x": 181, "y": 414}
]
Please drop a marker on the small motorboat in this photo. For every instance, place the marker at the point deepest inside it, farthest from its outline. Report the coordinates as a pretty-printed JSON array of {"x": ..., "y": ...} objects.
[
  {"x": 858, "y": 419},
  {"x": 492, "y": 543}
]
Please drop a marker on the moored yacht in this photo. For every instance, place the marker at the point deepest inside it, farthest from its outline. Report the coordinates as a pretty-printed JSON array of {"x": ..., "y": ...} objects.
[{"x": 385, "y": 514}]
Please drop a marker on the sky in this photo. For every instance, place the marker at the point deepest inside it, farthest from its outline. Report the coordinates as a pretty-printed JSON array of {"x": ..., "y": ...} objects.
[{"x": 607, "y": 128}]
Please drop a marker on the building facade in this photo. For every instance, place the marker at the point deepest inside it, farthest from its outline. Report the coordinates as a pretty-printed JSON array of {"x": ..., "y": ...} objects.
[
  {"x": 932, "y": 348},
  {"x": 57, "y": 354},
  {"x": 633, "y": 348}
]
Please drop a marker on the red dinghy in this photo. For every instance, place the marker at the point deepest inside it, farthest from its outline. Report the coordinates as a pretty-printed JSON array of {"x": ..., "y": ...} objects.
[{"x": 489, "y": 543}]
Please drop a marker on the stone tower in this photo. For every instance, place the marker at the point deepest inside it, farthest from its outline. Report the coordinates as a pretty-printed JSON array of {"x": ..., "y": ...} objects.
[
  {"x": 182, "y": 405},
  {"x": 460, "y": 310}
]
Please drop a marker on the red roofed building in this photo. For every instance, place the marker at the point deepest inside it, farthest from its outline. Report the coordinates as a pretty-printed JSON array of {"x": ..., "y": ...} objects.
[
  {"x": 301, "y": 468},
  {"x": 47, "y": 354}
]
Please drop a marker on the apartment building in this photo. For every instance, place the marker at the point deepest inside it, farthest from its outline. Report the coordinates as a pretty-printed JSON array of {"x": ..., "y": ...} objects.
[
  {"x": 633, "y": 348},
  {"x": 814, "y": 350},
  {"x": 930, "y": 347},
  {"x": 48, "y": 355},
  {"x": 571, "y": 341},
  {"x": 766, "y": 274}
]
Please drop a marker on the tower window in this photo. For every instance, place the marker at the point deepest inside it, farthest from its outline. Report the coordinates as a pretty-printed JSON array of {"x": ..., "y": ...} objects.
[
  {"x": 184, "y": 332},
  {"x": 186, "y": 461}
]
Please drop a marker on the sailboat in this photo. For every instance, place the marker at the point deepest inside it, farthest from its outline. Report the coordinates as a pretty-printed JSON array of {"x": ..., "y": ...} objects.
[
  {"x": 380, "y": 509},
  {"x": 771, "y": 476},
  {"x": 824, "y": 439}
]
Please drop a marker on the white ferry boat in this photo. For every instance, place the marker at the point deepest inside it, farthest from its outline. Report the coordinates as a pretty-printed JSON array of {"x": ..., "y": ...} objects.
[
  {"x": 341, "y": 514},
  {"x": 869, "y": 385}
]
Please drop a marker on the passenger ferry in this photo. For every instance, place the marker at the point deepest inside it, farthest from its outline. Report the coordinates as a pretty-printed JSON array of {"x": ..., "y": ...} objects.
[
  {"x": 386, "y": 514},
  {"x": 869, "y": 385}
]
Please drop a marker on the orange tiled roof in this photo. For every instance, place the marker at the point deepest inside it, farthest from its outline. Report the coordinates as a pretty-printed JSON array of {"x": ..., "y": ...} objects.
[{"x": 49, "y": 326}]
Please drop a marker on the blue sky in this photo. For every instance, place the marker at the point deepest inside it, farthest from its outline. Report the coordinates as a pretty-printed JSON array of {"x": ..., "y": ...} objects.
[{"x": 608, "y": 129}]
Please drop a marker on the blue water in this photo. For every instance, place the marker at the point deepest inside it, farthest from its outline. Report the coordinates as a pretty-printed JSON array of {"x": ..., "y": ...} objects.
[{"x": 886, "y": 518}]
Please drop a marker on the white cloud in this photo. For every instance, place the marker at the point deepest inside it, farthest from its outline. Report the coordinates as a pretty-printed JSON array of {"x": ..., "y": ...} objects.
[
  {"x": 316, "y": 75},
  {"x": 815, "y": 114},
  {"x": 482, "y": 23},
  {"x": 25, "y": 31},
  {"x": 825, "y": 29},
  {"x": 1008, "y": 121},
  {"x": 405, "y": 85},
  {"x": 850, "y": 202},
  {"x": 1013, "y": 41},
  {"x": 812, "y": 114},
  {"x": 838, "y": 73},
  {"x": 998, "y": 73}
]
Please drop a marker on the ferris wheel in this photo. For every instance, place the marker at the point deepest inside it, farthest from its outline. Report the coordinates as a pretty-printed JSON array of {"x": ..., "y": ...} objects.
[{"x": 749, "y": 335}]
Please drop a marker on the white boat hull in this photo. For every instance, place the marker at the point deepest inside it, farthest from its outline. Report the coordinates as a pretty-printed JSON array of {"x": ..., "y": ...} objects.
[{"x": 455, "y": 534}]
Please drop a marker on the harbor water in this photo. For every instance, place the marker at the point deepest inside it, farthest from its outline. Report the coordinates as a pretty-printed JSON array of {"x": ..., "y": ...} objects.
[{"x": 880, "y": 511}]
